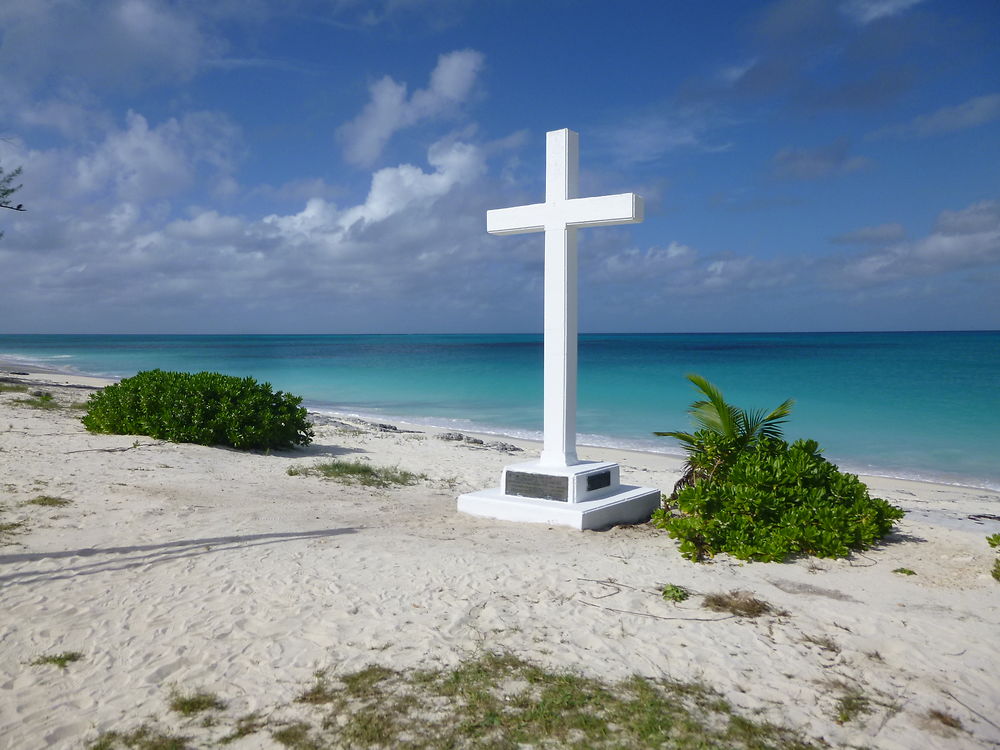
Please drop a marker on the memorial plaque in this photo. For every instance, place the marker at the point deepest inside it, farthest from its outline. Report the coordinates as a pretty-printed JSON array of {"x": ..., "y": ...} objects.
[
  {"x": 598, "y": 481},
  {"x": 544, "y": 486}
]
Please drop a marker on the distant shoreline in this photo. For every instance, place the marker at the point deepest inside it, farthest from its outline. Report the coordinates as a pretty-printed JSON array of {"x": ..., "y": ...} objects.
[
  {"x": 601, "y": 442},
  {"x": 44, "y": 376}
]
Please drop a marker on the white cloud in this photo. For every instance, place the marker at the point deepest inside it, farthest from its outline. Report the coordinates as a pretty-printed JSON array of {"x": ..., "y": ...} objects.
[
  {"x": 395, "y": 189},
  {"x": 206, "y": 226},
  {"x": 140, "y": 162},
  {"x": 116, "y": 257},
  {"x": 679, "y": 270},
  {"x": 389, "y": 110},
  {"x": 866, "y": 11},
  {"x": 969, "y": 114},
  {"x": 632, "y": 264},
  {"x": 980, "y": 217},
  {"x": 964, "y": 239}
]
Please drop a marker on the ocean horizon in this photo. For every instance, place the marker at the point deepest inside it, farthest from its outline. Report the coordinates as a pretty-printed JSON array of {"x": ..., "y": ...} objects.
[{"x": 913, "y": 405}]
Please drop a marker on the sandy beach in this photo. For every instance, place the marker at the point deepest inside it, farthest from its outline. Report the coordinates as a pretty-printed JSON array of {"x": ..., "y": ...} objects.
[{"x": 183, "y": 565}]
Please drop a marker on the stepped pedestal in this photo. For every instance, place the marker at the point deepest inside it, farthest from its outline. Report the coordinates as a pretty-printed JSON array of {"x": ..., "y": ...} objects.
[{"x": 586, "y": 495}]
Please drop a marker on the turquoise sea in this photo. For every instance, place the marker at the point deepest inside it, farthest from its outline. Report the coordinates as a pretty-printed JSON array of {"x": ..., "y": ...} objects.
[{"x": 914, "y": 405}]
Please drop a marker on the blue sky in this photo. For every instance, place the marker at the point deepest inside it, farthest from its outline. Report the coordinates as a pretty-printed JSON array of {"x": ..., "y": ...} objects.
[{"x": 325, "y": 166}]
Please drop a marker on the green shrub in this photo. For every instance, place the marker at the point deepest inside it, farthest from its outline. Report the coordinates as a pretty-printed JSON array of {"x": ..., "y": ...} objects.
[
  {"x": 724, "y": 431},
  {"x": 775, "y": 500},
  {"x": 207, "y": 408},
  {"x": 993, "y": 540}
]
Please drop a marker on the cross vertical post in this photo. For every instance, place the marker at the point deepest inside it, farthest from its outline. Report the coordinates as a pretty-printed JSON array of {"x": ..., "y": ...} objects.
[
  {"x": 562, "y": 213},
  {"x": 561, "y": 307}
]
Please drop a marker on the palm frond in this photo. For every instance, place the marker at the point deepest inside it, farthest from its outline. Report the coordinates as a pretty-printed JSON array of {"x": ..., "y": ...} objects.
[
  {"x": 685, "y": 437},
  {"x": 715, "y": 414},
  {"x": 761, "y": 424}
]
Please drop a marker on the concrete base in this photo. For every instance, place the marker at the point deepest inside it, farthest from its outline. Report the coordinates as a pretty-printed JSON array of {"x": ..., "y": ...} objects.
[{"x": 626, "y": 504}]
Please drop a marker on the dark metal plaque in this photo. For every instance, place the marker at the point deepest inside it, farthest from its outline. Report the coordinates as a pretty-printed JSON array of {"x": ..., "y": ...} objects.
[
  {"x": 598, "y": 481},
  {"x": 545, "y": 486}
]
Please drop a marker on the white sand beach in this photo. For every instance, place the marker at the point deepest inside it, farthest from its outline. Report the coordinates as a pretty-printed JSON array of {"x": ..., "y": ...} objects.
[{"x": 183, "y": 565}]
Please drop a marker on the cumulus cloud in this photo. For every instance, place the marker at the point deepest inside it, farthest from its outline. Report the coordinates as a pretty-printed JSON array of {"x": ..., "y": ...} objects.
[
  {"x": 679, "y": 270},
  {"x": 390, "y": 110},
  {"x": 395, "y": 189},
  {"x": 964, "y": 239},
  {"x": 810, "y": 164},
  {"x": 969, "y": 114},
  {"x": 418, "y": 232},
  {"x": 140, "y": 162}
]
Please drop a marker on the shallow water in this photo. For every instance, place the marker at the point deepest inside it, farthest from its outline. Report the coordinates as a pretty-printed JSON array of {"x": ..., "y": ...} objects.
[{"x": 915, "y": 405}]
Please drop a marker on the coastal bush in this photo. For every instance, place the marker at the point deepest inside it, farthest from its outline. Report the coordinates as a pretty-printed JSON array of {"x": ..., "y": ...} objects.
[
  {"x": 207, "y": 408},
  {"x": 724, "y": 431},
  {"x": 774, "y": 500}
]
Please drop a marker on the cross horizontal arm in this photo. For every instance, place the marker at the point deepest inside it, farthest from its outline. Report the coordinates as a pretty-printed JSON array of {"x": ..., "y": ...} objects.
[
  {"x": 604, "y": 210},
  {"x": 624, "y": 208},
  {"x": 519, "y": 219}
]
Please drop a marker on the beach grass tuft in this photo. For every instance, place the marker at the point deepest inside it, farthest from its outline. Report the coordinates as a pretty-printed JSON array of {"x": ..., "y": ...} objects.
[
  {"x": 9, "y": 528},
  {"x": 49, "y": 501},
  {"x": 245, "y": 725},
  {"x": 996, "y": 569},
  {"x": 499, "y": 700},
  {"x": 296, "y": 736},
  {"x": 359, "y": 472},
  {"x": 320, "y": 692},
  {"x": 943, "y": 717},
  {"x": 39, "y": 400},
  {"x": 192, "y": 703},
  {"x": 143, "y": 738},
  {"x": 13, "y": 388},
  {"x": 905, "y": 572},
  {"x": 851, "y": 705},
  {"x": 739, "y": 603},
  {"x": 59, "y": 660},
  {"x": 825, "y": 642}
]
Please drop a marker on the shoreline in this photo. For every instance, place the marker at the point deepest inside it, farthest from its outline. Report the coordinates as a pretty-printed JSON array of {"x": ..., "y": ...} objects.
[
  {"x": 888, "y": 487},
  {"x": 57, "y": 376}
]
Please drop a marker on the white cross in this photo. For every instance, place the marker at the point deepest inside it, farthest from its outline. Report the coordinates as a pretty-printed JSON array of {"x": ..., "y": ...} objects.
[{"x": 559, "y": 217}]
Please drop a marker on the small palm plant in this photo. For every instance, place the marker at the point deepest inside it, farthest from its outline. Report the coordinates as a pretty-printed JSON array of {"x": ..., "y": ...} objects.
[{"x": 723, "y": 432}]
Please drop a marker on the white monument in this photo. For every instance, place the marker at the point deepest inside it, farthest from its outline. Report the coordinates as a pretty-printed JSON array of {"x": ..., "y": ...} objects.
[{"x": 559, "y": 488}]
